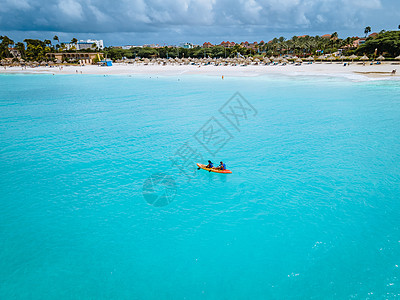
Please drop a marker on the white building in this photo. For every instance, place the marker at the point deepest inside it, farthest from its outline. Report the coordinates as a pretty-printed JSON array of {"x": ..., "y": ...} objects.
[
  {"x": 88, "y": 44},
  {"x": 127, "y": 47},
  {"x": 84, "y": 44},
  {"x": 187, "y": 45}
]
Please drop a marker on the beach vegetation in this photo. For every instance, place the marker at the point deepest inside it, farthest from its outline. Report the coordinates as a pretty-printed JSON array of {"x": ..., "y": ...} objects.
[
  {"x": 35, "y": 50},
  {"x": 387, "y": 42},
  {"x": 4, "y": 46},
  {"x": 21, "y": 48}
]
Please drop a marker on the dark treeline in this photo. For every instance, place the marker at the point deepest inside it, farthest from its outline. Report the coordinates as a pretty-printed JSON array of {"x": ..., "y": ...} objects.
[{"x": 386, "y": 43}]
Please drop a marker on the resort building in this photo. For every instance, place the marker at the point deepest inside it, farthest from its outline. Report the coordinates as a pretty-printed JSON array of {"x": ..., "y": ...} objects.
[
  {"x": 127, "y": 47},
  {"x": 359, "y": 42},
  {"x": 248, "y": 45},
  {"x": 207, "y": 45},
  {"x": 151, "y": 46},
  {"x": 187, "y": 45},
  {"x": 85, "y": 58},
  {"x": 228, "y": 44},
  {"x": 90, "y": 44},
  {"x": 84, "y": 44}
]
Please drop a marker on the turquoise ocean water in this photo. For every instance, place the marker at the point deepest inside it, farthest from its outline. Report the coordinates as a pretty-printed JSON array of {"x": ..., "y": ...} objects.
[{"x": 311, "y": 210}]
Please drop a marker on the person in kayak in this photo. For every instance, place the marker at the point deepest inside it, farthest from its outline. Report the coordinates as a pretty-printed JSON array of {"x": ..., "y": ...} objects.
[
  {"x": 221, "y": 166},
  {"x": 210, "y": 164}
]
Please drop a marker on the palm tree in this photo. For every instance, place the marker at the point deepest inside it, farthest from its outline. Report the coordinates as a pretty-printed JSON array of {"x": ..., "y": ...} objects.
[
  {"x": 55, "y": 38},
  {"x": 367, "y": 30},
  {"x": 74, "y": 41}
]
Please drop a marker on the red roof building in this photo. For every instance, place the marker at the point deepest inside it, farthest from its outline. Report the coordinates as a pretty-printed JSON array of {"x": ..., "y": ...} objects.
[
  {"x": 227, "y": 44},
  {"x": 207, "y": 45}
]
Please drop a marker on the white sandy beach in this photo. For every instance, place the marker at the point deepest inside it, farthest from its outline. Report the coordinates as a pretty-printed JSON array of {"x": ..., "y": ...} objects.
[{"x": 353, "y": 71}]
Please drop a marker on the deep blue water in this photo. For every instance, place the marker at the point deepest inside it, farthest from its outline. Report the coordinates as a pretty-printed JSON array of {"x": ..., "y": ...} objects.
[{"x": 311, "y": 210}]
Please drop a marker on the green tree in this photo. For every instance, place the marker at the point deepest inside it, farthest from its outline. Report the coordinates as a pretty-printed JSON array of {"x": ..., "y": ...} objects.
[
  {"x": 367, "y": 30},
  {"x": 35, "y": 50},
  {"x": 55, "y": 38},
  {"x": 5, "y": 43},
  {"x": 388, "y": 42},
  {"x": 21, "y": 48}
]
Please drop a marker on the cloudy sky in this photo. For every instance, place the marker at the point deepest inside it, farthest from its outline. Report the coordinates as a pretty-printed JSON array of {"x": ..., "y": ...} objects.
[{"x": 123, "y": 22}]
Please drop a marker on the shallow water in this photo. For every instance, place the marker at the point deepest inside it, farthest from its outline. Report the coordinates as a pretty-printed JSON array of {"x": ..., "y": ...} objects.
[{"x": 311, "y": 210}]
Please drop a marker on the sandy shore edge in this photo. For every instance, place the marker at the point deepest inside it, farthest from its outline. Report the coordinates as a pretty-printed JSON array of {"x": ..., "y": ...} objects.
[{"x": 354, "y": 71}]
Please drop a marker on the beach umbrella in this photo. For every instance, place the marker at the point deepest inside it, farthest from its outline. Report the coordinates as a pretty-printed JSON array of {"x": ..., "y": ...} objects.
[
  {"x": 267, "y": 60},
  {"x": 272, "y": 58},
  {"x": 321, "y": 57},
  {"x": 285, "y": 61},
  {"x": 298, "y": 60},
  {"x": 380, "y": 57},
  {"x": 331, "y": 58},
  {"x": 310, "y": 58},
  {"x": 364, "y": 58},
  {"x": 397, "y": 57},
  {"x": 353, "y": 57}
]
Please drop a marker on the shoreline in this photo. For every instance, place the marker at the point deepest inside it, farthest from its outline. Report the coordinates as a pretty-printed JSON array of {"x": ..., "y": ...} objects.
[{"x": 354, "y": 71}]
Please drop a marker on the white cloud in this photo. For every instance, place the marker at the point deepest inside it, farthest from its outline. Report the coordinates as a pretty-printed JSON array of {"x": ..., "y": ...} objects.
[
  {"x": 71, "y": 9},
  {"x": 195, "y": 17},
  {"x": 18, "y": 4},
  {"x": 252, "y": 8}
]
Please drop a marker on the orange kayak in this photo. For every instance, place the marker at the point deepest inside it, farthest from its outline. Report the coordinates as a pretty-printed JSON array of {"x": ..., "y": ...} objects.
[{"x": 204, "y": 167}]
